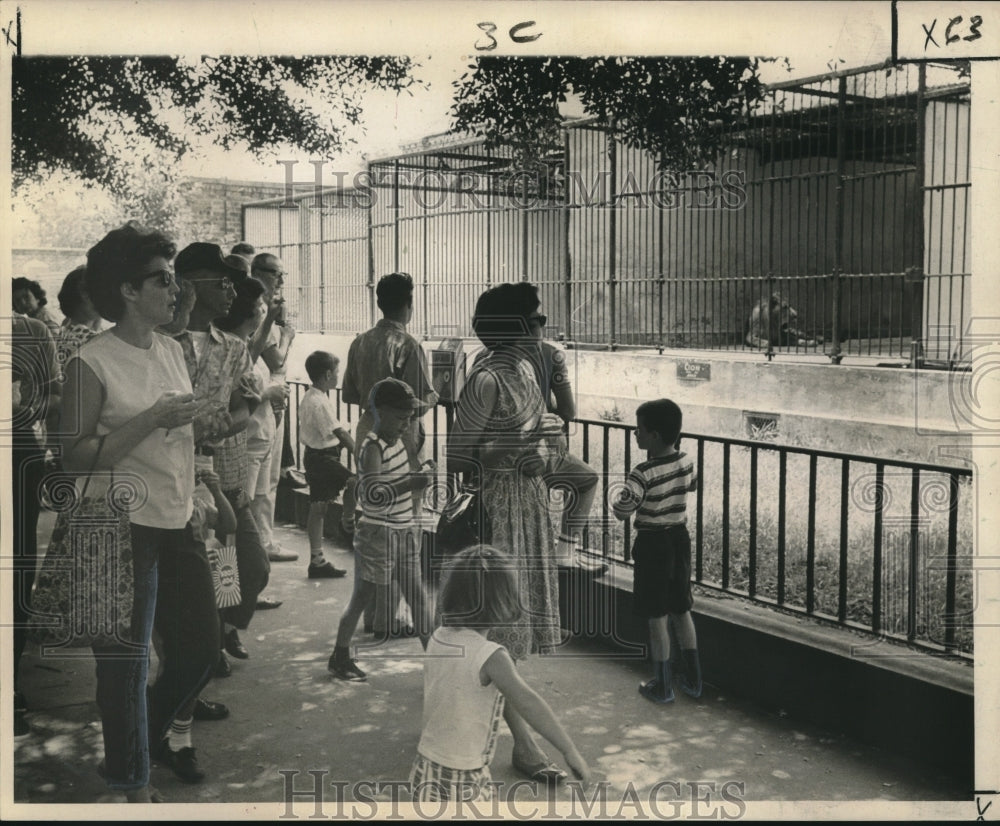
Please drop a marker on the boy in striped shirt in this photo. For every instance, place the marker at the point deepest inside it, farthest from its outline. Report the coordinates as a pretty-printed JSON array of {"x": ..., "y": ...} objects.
[
  {"x": 655, "y": 493},
  {"x": 386, "y": 538}
]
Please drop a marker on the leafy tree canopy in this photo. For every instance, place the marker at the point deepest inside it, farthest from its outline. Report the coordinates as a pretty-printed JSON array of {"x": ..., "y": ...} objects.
[
  {"x": 101, "y": 118},
  {"x": 669, "y": 106}
]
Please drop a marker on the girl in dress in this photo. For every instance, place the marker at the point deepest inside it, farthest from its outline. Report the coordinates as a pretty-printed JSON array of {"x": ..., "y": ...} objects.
[{"x": 467, "y": 679}]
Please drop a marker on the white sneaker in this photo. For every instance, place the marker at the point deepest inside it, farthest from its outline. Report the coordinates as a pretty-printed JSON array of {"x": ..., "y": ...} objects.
[{"x": 279, "y": 554}]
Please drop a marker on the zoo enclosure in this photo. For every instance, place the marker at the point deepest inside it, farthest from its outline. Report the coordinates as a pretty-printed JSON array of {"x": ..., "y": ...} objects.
[
  {"x": 872, "y": 545},
  {"x": 847, "y": 194}
]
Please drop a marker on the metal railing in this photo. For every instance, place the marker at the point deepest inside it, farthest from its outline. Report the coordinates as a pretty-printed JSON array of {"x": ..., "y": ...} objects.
[
  {"x": 874, "y": 545},
  {"x": 845, "y": 194}
]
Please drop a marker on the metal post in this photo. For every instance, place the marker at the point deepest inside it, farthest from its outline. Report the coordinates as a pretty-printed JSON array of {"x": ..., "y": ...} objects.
[
  {"x": 524, "y": 225},
  {"x": 661, "y": 281},
  {"x": 838, "y": 244},
  {"x": 322, "y": 271},
  {"x": 612, "y": 234},
  {"x": 395, "y": 215},
  {"x": 915, "y": 273},
  {"x": 913, "y": 578},
  {"x": 424, "y": 285},
  {"x": 769, "y": 352},
  {"x": 489, "y": 227},
  {"x": 371, "y": 261},
  {"x": 567, "y": 257}
]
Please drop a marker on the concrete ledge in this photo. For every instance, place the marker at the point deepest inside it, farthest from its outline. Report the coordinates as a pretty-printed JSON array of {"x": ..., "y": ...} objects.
[
  {"x": 291, "y": 506},
  {"x": 875, "y": 691}
]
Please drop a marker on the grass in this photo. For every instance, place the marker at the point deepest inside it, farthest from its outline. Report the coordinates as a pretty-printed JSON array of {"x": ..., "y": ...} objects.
[{"x": 860, "y": 509}]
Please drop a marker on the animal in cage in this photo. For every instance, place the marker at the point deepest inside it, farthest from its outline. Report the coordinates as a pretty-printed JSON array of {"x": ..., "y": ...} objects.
[{"x": 773, "y": 321}]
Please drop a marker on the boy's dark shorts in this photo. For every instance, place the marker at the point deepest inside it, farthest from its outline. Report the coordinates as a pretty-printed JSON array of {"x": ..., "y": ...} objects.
[
  {"x": 662, "y": 572},
  {"x": 325, "y": 475}
]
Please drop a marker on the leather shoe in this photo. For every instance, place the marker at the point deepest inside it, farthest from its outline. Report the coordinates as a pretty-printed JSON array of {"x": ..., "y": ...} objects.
[
  {"x": 235, "y": 647},
  {"x": 222, "y": 667},
  {"x": 264, "y": 603},
  {"x": 326, "y": 570},
  {"x": 183, "y": 763},
  {"x": 207, "y": 710}
]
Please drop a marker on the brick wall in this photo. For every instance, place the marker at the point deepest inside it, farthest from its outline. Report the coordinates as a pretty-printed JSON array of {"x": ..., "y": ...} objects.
[{"x": 215, "y": 206}]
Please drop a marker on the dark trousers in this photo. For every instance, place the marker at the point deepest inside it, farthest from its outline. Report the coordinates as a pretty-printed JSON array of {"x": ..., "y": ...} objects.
[
  {"x": 252, "y": 562},
  {"x": 187, "y": 623},
  {"x": 28, "y": 471}
]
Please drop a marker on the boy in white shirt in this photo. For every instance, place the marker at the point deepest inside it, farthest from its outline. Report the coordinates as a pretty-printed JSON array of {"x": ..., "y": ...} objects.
[{"x": 324, "y": 438}]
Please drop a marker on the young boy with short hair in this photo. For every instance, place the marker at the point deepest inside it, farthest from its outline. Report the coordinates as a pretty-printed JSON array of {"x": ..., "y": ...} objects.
[
  {"x": 386, "y": 539},
  {"x": 324, "y": 438},
  {"x": 656, "y": 493}
]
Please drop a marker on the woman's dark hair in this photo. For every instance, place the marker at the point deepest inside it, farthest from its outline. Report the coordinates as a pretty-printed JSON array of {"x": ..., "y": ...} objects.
[
  {"x": 662, "y": 416},
  {"x": 248, "y": 292},
  {"x": 116, "y": 259},
  {"x": 22, "y": 283},
  {"x": 502, "y": 311},
  {"x": 72, "y": 293},
  {"x": 480, "y": 589},
  {"x": 394, "y": 291}
]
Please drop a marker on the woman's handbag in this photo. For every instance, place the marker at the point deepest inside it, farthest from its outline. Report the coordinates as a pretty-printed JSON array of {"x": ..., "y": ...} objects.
[
  {"x": 84, "y": 590},
  {"x": 464, "y": 521}
]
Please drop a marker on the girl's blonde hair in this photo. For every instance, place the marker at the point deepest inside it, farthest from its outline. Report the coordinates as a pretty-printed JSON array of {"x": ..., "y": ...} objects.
[{"x": 480, "y": 589}]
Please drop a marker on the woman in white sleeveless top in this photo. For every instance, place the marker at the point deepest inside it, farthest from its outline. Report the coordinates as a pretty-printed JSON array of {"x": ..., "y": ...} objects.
[{"x": 130, "y": 386}]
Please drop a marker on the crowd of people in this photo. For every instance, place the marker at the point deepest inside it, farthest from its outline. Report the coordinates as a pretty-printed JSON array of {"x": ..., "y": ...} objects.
[{"x": 170, "y": 365}]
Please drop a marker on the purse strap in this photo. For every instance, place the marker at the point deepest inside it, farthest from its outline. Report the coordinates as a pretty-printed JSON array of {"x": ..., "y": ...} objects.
[{"x": 93, "y": 464}]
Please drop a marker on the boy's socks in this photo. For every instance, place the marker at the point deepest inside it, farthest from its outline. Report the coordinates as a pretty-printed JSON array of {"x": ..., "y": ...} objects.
[
  {"x": 316, "y": 556},
  {"x": 341, "y": 654},
  {"x": 691, "y": 678},
  {"x": 179, "y": 736},
  {"x": 660, "y": 689}
]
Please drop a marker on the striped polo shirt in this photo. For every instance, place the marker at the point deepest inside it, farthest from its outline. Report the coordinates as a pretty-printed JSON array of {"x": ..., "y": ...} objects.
[
  {"x": 656, "y": 492},
  {"x": 379, "y": 504}
]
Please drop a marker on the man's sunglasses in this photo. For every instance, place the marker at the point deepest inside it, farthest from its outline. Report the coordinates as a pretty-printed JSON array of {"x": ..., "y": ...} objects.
[
  {"x": 540, "y": 320},
  {"x": 223, "y": 283}
]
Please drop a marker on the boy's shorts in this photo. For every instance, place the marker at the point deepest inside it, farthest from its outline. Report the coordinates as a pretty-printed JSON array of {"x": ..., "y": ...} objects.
[
  {"x": 662, "y": 572},
  {"x": 380, "y": 549},
  {"x": 325, "y": 475}
]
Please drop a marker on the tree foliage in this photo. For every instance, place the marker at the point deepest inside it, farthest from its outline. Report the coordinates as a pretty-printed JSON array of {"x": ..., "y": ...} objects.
[
  {"x": 102, "y": 118},
  {"x": 670, "y": 106}
]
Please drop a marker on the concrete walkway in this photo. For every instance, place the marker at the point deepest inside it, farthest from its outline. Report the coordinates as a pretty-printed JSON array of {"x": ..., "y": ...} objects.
[{"x": 289, "y": 715}]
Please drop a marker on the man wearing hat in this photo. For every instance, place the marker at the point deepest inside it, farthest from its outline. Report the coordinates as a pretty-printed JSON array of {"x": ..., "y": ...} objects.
[
  {"x": 386, "y": 541},
  {"x": 221, "y": 373}
]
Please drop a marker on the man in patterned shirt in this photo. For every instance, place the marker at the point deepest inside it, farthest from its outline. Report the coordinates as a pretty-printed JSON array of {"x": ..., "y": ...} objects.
[{"x": 222, "y": 376}]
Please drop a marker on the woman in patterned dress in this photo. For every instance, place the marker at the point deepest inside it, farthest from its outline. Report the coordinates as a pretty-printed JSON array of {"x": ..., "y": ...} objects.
[
  {"x": 82, "y": 321},
  {"x": 502, "y": 432}
]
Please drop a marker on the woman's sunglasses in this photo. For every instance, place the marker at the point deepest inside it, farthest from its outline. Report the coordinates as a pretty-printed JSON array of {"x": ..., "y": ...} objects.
[{"x": 164, "y": 277}]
